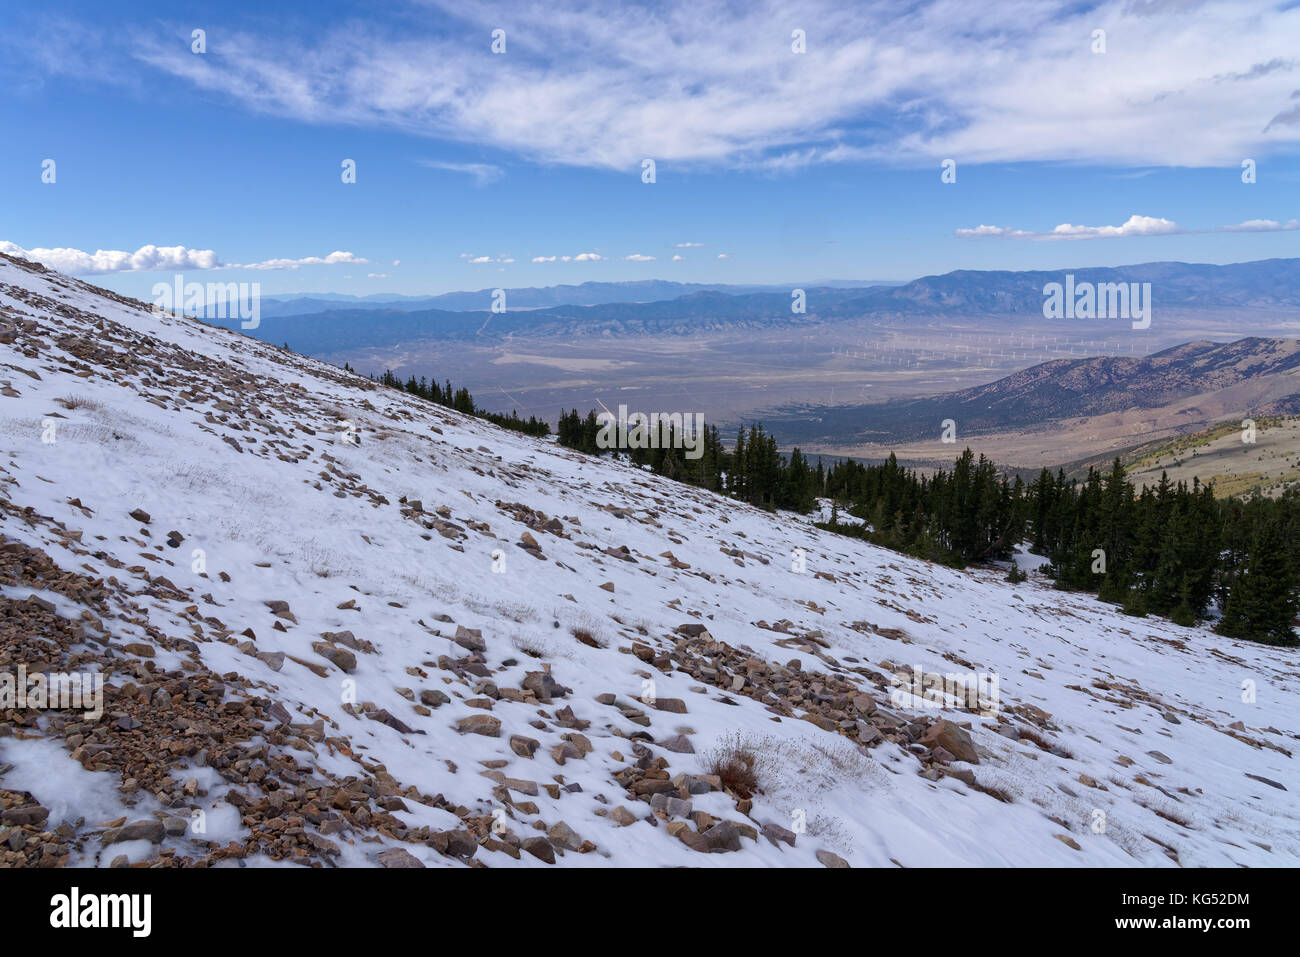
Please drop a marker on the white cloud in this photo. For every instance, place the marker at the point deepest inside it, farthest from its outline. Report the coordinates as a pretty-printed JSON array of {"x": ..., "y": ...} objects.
[
  {"x": 376, "y": 275},
  {"x": 75, "y": 262},
  {"x": 334, "y": 258},
  {"x": 676, "y": 258},
  {"x": 1133, "y": 226},
  {"x": 585, "y": 258},
  {"x": 724, "y": 255},
  {"x": 471, "y": 258},
  {"x": 152, "y": 258},
  {"x": 397, "y": 262},
  {"x": 712, "y": 83},
  {"x": 688, "y": 245},
  {"x": 980, "y": 232},
  {"x": 638, "y": 258}
]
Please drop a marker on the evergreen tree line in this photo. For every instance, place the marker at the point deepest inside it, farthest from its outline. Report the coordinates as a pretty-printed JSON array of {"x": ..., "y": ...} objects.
[
  {"x": 754, "y": 471},
  {"x": 969, "y": 514},
  {"x": 461, "y": 401},
  {"x": 1170, "y": 550}
]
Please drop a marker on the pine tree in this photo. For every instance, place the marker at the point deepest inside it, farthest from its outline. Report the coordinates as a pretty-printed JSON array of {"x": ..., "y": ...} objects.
[{"x": 1261, "y": 603}]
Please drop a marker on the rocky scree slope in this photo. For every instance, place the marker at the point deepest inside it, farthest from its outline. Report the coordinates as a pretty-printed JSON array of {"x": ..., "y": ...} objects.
[{"x": 285, "y": 576}]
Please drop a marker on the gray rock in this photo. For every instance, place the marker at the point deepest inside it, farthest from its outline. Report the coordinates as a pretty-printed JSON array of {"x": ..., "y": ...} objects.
[
  {"x": 775, "y": 832},
  {"x": 471, "y": 639},
  {"x": 722, "y": 837},
  {"x": 1263, "y": 780},
  {"x": 147, "y": 830},
  {"x": 32, "y": 814},
  {"x": 543, "y": 685}
]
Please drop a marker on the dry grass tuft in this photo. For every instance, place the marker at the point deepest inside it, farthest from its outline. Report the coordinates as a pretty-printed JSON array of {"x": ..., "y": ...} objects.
[
  {"x": 79, "y": 402},
  {"x": 738, "y": 765}
]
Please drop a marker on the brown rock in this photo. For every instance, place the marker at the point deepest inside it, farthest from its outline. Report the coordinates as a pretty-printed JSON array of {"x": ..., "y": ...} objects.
[
  {"x": 540, "y": 848},
  {"x": 471, "y": 639},
  {"x": 484, "y": 724},
  {"x": 522, "y": 746},
  {"x": 341, "y": 658},
  {"x": 831, "y": 860},
  {"x": 561, "y": 835},
  {"x": 951, "y": 738},
  {"x": 398, "y": 857}
]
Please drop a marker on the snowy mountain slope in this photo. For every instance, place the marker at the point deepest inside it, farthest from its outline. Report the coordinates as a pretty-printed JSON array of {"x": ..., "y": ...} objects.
[{"x": 303, "y": 636}]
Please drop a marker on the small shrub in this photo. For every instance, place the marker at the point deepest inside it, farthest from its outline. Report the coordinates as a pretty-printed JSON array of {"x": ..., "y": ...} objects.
[
  {"x": 79, "y": 402},
  {"x": 738, "y": 765}
]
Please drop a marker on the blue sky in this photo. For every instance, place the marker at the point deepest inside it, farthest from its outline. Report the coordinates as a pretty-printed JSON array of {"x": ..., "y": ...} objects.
[{"x": 776, "y": 166}]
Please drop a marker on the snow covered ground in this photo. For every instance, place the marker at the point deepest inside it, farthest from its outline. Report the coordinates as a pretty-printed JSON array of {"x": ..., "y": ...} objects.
[{"x": 1112, "y": 741}]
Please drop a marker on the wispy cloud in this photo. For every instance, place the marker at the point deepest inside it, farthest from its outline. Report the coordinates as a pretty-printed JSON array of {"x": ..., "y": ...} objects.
[
  {"x": 708, "y": 82},
  {"x": 334, "y": 258},
  {"x": 1261, "y": 226},
  {"x": 483, "y": 173}
]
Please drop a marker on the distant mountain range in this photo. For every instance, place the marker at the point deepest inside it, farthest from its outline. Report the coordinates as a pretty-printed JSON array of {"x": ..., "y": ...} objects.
[
  {"x": 532, "y": 297},
  {"x": 339, "y": 324},
  {"x": 1254, "y": 373},
  {"x": 348, "y": 327},
  {"x": 1268, "y": 283}
]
